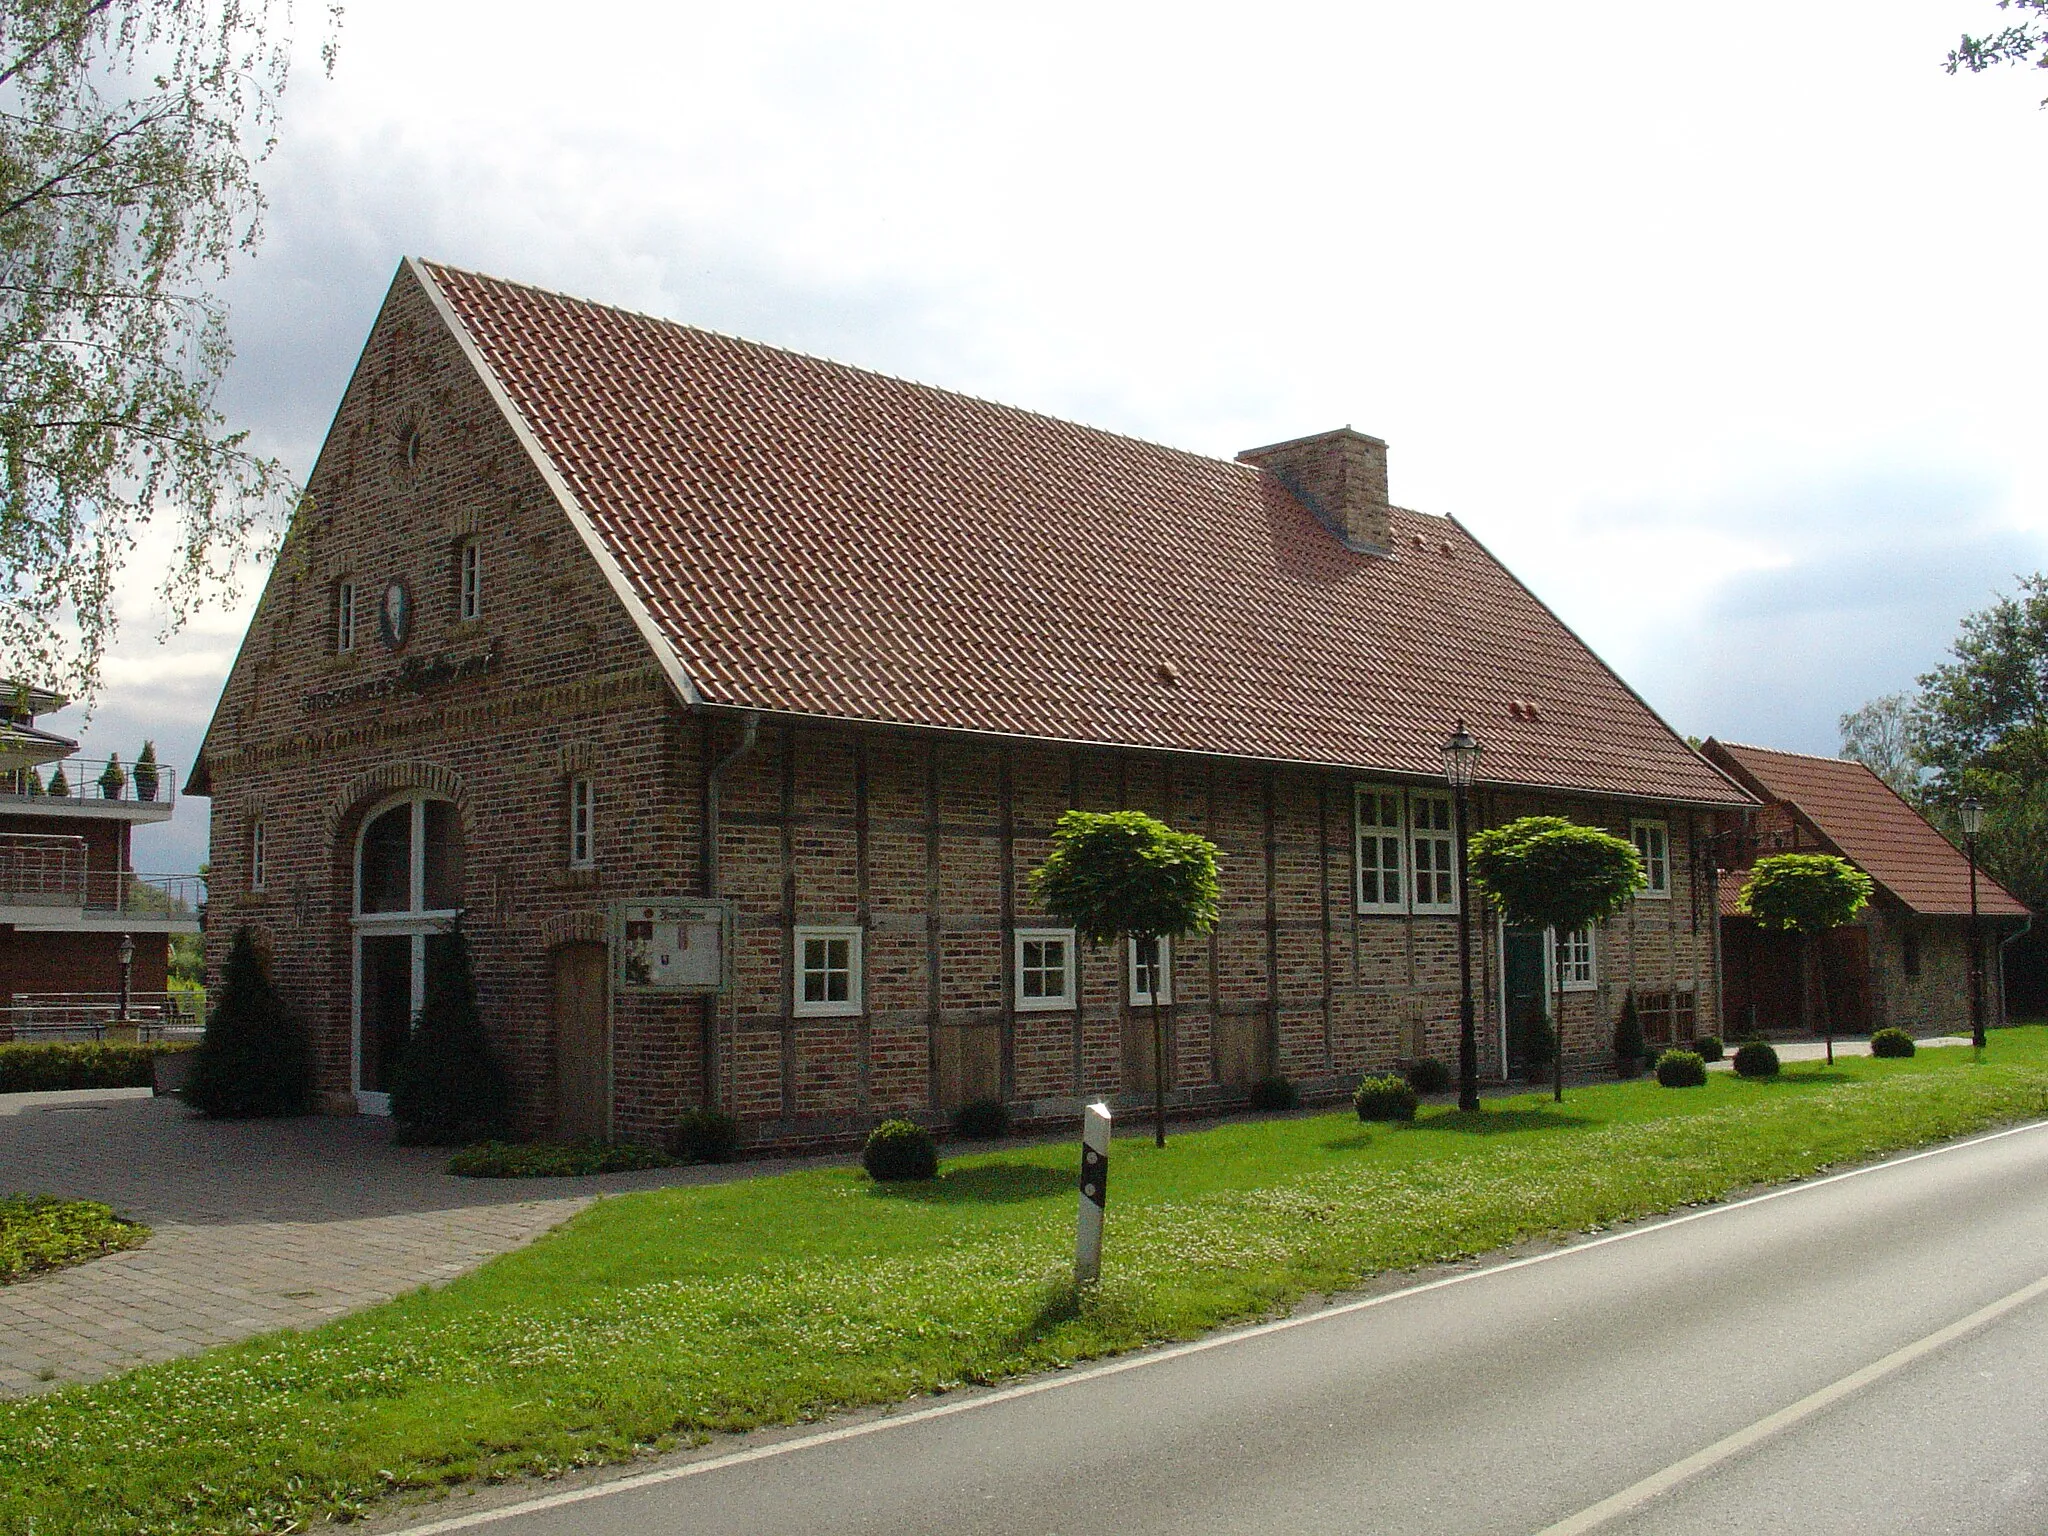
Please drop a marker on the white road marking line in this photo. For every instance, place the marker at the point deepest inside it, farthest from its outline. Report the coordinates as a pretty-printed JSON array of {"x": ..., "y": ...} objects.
[
  {"x": 1174, "y": 1352},
  {"x": 1641, "y": 1493}
]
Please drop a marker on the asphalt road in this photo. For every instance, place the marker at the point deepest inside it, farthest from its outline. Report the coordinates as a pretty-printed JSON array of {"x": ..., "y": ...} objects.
[{"x": 1867, "y": 1353}]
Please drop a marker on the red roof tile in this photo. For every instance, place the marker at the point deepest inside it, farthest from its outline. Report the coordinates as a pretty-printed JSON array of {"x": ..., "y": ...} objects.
[
  {"x": 1871, "y": 827},
  {"x": 817, "y": 539}
]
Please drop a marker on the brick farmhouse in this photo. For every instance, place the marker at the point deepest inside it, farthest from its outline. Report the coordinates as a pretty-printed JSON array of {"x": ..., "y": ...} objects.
[
  {"x": 1906, "y": 960},
  {"x": 729, "y": 697}
]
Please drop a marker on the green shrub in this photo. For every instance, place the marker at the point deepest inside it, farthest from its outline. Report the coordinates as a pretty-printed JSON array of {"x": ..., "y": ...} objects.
[
  {"x": 1531, "y": 1042},
  {"x": 1755, "y": 1059},
  {"x": 1427, "y": 1075},
  {"x": 254, "y": 1060},
  {"x": 1385, "y": 1098},
  {"x": 1709, "y": 1047},
  {"x": 1682, "y": 1069},
  {"x": 982, "y": 1120},
  {"x": 1628, "y": 1039},
  {"x": 449, "y": 1090},
  {"x": 39, "y": 1232},
  {"x": 552, "y": 1159},
  {"x": 1891, "y": 1042},
  {"x": 705, "y": 1136},
  {"x": 1275, "y": 1093},
  {"x": 900, "y": 1151},
  {"x": 46, "y": 1068}
]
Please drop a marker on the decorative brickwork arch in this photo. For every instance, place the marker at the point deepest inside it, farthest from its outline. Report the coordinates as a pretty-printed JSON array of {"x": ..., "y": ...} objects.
[
  {"x": 573, "y": 928},
  {"x": 443, "y": 783}
]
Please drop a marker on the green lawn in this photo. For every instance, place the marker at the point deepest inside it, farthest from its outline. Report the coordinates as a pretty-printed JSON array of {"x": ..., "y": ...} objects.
[
  {"x": 653, "y": 1319},
  {"x": 39, "y": 1232}
]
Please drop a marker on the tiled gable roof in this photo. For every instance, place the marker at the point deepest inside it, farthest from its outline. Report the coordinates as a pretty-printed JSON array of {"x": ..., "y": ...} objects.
[
  {"x": 1871, "y": 827},
  {"x": 816, "y": 539}
]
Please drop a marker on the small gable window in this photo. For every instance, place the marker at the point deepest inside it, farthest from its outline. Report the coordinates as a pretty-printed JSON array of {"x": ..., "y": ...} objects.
[
  {"x": 345, "y": 617},
  {"x": 470, "y": 578},
  {"x": 1653, "y": 847},
  {"x": 582, "y": 824},
  {"x": 256, "y": 855}
]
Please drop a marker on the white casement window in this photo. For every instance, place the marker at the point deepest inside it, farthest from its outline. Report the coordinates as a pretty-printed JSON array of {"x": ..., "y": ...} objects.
[
  {"x": 1382, "y": 836},
  {"x": 1045, "y": 969},
  {"x": 1433, "y": 840},
  {"x": 1151, "y": 971},
  {"x": 1579, "y": 974},
  {"x": 345, "y": 616},
  {"x": 827, "y": 971},
  {"x": 582, "y": 824},
  {"x": 472, "y": 601},
  {"x": 256, "y": 855},
  {"x": 1653, "y": 846}
]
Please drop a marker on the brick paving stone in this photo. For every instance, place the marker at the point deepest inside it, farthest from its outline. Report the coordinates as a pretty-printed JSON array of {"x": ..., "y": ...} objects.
[{"x": 256, "y": 1226}]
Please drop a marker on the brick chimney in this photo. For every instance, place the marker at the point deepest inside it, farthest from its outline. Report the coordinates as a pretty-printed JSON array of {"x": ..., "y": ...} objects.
[{"x": 1340, "y": 476}]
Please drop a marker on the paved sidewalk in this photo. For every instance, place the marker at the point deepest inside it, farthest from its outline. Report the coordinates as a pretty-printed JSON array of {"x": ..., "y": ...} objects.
[{"x": 257, "y": 1225}]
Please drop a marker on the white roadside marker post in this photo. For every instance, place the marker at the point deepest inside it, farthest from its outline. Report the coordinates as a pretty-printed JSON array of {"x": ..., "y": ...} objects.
[{"x": 1094, "y": 1193}]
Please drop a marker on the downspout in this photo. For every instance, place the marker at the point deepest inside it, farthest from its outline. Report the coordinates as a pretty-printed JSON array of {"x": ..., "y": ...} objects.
[
  {"x": 2017, "y": 934},
  {"x": 707, "y": 879}
]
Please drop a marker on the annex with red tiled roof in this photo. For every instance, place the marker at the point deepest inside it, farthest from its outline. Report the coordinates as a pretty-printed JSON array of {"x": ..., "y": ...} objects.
[{"x": 729, "y": 698}]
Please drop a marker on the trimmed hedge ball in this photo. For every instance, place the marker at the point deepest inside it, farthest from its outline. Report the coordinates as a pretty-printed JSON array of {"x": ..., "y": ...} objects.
[
  {"x": 705, "y": 1136},
  {"x": 1891, "y": 1042},
  {"x": 900, "y": 1152},
  {"x": 1756, "y": 1059},
  {"x": 1275, "y": 1093},
  {"x": 1682, "y": 1069},
  {"x": 1427, "y": 1075},
  {"x": 1385, "y": 1098},
  {"x": 1710, "y": 1047}
]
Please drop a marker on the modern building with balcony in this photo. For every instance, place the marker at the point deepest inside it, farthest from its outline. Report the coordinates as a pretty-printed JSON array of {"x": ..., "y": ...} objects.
[{"x": 84, "y": 937}]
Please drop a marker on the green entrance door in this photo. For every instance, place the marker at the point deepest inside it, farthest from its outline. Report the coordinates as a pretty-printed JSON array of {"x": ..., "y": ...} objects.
[{"x": 1526, "y": 983}]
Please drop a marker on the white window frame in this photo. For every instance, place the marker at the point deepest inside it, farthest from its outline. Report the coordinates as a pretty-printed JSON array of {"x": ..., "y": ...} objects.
[
  {"x": 582, "y": 823},
  {"x": 256, "y": 854},
  {"x": 1394, "y": 836},
  {"x": 1579, "y": 975},
  {"x": 1140, "y": 996},
  {"x": 1066, "y": 1002},
  {"x": 834, "y": 1007},
  {"x": 1446, "y": 849},
  {"x": 1657, "y": 872},
  {"x": 470, "y": 577},
  {"x": 344, "y": 617}
]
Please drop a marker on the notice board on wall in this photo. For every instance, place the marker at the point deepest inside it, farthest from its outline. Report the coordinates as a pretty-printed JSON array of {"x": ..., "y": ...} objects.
[{"x": 665, "y": 945}]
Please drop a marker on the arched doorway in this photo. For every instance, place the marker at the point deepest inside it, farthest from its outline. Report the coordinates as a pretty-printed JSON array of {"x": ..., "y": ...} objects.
[
  {"x": 408, "y": 894},
  {"x": 583, "y": 1042}
]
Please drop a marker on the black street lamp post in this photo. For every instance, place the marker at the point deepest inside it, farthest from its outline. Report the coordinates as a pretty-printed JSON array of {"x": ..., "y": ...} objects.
[
  {"x": 127, "y": 972},
  {"x": 1461, "y": 756},
  {"x": 1973, "y": 823}
]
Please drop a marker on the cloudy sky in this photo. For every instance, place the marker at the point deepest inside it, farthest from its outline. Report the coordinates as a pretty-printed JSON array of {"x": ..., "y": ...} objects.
[{"x": 1720, "y": 324}]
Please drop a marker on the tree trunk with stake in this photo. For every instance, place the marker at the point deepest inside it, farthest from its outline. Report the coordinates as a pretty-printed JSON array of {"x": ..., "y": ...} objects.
[
  {"x": 1158, "y": 1062},
  {"x": 1557, "y": 1024}
]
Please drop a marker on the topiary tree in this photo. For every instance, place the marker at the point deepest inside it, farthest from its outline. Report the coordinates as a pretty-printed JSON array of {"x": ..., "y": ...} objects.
[
  {"x": 449, "y": 1089},
  {"x": 1547, "y": 872},
  {"x": 1124, "y": 876},
  {"x": 1806, "y": 894},
  {"x": 1628, "y": 1038},
  {"x": 254, "y": 1060}
]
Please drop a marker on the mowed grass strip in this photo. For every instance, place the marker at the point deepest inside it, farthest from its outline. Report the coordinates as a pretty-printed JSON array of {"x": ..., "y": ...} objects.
[
  {"x": 39, "y": 1232},
  {"x": 655, "y": 1319}
]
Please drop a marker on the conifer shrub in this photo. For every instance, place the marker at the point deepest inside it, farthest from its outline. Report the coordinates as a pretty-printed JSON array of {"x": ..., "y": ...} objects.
[
  {"x": 113, "y": 778},
  {"x": 1531, "y": 1042},
  {"x": 449, "y": 1090},
  {"x": 900, "y": 1152},
  {"x": 1754, "y": 1058},
  {"x": 1891, "y": 1041},
  {"x": 1628, "y": 1039},
  {"x": 1681, "y": 1069},
  {"x": 59, "y": 785},
  {"x": 1427, "y": 1075},
  {"x": 705, "y": 1136},
  {"x": 982, "y": 1120},
  {"x": 1271, "y": 1093},
  {"x": 146, "y": 772},
  {"x": 1710, "y": 1047},
  {"x": 1385, "y": 1098},
  {"x": 254, "y": 1060}
]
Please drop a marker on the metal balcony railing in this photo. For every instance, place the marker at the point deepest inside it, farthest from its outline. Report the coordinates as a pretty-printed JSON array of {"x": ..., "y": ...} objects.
[
  {"x": 42, "y": 871},
  {"x": 127, "y": 894},
  {"x": 86, "y": 783},
  {"x": 61, "y": 1016}
]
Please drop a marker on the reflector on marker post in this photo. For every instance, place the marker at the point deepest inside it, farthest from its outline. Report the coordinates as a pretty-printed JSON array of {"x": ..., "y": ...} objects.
[{"x": 1094, "y": 1193}]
